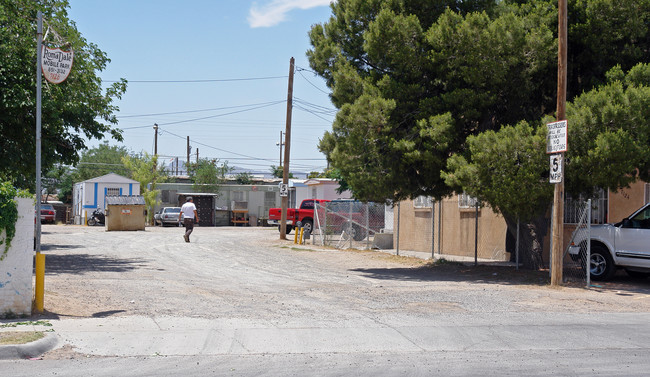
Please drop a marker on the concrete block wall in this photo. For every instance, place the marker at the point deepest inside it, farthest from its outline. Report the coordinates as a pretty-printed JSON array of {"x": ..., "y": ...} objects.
[{"x": 16, "y": 269}]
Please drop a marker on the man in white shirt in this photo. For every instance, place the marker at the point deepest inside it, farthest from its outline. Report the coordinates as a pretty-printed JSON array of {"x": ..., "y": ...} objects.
[{"x": 188, "y": 214}]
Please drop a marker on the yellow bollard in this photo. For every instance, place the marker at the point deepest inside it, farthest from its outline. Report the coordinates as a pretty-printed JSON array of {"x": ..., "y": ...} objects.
[
  {"x": 39, "y": 290},
  {"x": 302, "y": 230},
  {"x": 295, "y": 236},
  {"x": 85, "y": 218}
]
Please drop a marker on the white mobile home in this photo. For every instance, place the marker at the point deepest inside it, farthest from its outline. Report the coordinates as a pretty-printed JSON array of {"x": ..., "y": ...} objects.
[{"x": 89, "y": 195}]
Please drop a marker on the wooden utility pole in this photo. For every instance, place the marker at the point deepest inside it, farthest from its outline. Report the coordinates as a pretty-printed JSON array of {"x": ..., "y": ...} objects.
[
  {"x": 558, "y": 195},
  {"x": 155, "y": 139},
  {"x": 197, "y": 155},
  {"x": 287, "y": 147}
]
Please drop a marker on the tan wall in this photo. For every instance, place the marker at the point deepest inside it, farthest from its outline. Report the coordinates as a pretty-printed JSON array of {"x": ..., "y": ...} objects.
[
  {"x": 119, "y": 219},
  {"x": 457, "y": 236},
  {"x": 625, "y": 202}
]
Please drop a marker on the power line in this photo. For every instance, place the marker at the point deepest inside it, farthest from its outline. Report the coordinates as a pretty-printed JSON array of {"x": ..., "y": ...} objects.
[
  {"x": 197, "y": 111},
  {"x": 310, "y": 83},
  {"x": 208, "y": 117},
  {"x": 199, "y": 81}
]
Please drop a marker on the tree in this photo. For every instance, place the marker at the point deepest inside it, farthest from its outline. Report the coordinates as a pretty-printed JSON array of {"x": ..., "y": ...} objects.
[
  {"x": 412, "y": 82},
  {"x": 610, "y": 134},
  {"x": 71, "y": 111},
  {"x": 101, "y": 160},
  {"x": 244, "y": 178},
  {"x": 278, "y": 172},
  {"x": 145, "y": 170},
  {"x": 206, "y": 174},
  {"x": 416, "y": 85}
]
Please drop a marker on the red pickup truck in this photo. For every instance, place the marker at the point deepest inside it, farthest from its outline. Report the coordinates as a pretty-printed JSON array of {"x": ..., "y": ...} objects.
[{"x": 304, "y": 214}]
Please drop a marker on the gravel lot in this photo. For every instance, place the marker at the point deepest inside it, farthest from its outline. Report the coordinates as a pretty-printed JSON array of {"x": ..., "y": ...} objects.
[{"x": 248, "y": 273}]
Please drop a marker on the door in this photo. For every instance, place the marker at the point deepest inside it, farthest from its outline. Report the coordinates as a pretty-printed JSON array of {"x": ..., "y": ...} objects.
[{"x": 633, "y": 239}]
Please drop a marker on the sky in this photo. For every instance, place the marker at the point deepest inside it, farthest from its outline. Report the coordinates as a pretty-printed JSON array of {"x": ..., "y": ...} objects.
[{"x": 216, "y": 71}]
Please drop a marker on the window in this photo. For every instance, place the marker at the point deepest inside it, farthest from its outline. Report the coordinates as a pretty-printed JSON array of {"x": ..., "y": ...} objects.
[
  {"x": 423, "y": 201},
  {"x": 112, "y": 191},
  {"x": 238, "y": 196},
  {"x": 573, "y": 206},
  {"x": 314, "y": 193},
  {"x": 466, "y": 201}
]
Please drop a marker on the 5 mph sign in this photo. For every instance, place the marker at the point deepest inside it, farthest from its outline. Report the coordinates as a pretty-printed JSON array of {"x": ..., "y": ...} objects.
[{"x": 556, "y": 168}]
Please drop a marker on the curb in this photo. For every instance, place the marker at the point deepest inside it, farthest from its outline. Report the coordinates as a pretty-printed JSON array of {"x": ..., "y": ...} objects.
[{"x": 32, "y": 349}]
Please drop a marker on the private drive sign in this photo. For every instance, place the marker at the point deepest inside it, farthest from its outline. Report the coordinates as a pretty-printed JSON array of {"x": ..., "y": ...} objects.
[
  {"x": 56, "y": 64},
  {"x": 556, "y": 139}
]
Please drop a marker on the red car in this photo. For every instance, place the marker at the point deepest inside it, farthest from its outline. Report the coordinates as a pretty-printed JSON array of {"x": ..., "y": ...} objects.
[{"x": 48, "y": 213}]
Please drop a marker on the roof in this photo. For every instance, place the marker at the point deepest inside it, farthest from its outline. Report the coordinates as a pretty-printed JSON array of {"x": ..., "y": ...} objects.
[
  {"x": 111, "y": 178},
  {"x": 124, "y": 200}
]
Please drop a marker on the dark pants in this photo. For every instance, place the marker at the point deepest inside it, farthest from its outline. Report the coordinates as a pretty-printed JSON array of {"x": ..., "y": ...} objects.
[{"x": 189, "y": 226}]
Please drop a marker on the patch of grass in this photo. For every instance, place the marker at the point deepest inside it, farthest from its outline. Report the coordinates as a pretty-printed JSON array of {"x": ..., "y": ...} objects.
[
  {"x": 28, "y": 323},
  {"x": 19, "y": 337}
]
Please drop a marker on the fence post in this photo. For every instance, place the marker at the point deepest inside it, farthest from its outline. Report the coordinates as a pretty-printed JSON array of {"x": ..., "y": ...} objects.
[
  {"x": 588, "y": 260},
  {"x": 476, "y": 237},
  {"x": 439, "y": 226},
  {"x": 367, "y": 205},
  {"x": 398, "y": 213},
  {"x": 433, "y": 225}
]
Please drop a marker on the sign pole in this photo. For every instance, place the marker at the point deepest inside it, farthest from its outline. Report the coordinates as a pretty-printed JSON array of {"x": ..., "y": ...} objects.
[
  {"x": 558, "y": 194},
  {"x": 39, "y": 289}
]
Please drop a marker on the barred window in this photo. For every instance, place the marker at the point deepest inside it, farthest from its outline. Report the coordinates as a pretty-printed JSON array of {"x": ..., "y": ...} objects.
[
  {"x": 466, "y": 201},
  {"x": 572, "y": 208},
  {"x": 423, "y": 201},
  {"x": 112, "y": 191}
]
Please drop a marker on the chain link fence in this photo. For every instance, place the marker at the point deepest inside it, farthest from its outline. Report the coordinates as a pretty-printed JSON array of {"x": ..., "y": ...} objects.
[
  {"x": 349, "y": 224},
  {"x": 578, "y": 251},
  {"x": 454, "y": 229}
]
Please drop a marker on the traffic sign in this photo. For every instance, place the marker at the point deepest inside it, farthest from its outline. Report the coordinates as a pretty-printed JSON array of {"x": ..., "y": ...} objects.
[
  {"x": 556, "y": 139},
  {"x": 555, "y": 175},
  {"x": 284, "y": 189}
]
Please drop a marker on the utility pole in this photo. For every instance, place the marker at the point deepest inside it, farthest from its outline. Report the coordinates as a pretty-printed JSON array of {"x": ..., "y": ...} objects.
[
  {"x": 197, "y": 155},
  {"x": 287, "y": 147},
  {"x": 187, "y": 167},
  {"x": 558, "y": 194},
  {"x": 155, "y": 139},
  {"x": 280, "y": 144}
]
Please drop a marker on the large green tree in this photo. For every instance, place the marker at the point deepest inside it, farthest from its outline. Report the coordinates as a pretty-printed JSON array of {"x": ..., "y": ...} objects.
[
  {"x": 609, "y": 129},
  {"x": 413, "y": 79},
  {"x": 74, "y": 110},
  {"x": 144, "y": 168},
  {"x": 417, "y": 84}
]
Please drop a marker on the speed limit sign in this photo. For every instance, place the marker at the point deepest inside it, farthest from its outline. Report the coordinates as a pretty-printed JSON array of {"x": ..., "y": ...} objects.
[{"x": 555, "y": 175}]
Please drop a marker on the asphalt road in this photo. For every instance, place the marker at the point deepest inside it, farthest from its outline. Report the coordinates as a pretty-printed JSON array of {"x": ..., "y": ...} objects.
[{"x": 237, "y": 301}]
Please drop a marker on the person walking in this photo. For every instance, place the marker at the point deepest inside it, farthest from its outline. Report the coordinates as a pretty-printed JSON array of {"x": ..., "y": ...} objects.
[{"x": 188, "y": 214}]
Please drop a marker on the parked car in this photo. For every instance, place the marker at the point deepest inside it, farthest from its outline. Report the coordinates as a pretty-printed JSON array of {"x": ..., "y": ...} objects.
[
  {"x": 48, "y": 213},
  {"x": 168, "y": 216},
  {"x": 304, "y": 214},
  {"x": 625, "y": 244}
]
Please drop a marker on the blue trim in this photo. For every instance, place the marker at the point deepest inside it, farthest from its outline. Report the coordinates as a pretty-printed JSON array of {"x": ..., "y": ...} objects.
[
  {"x": 95, "y": 194},
  {"x": 89, "y": 206},
  {"x": 105, "y": 191},
  {"x": 130, "y": 189},
  {"x": 120, "y": 191}
]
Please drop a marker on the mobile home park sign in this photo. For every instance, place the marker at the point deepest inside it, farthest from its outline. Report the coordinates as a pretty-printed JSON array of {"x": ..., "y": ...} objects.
[{"x": 56, "y": 64}]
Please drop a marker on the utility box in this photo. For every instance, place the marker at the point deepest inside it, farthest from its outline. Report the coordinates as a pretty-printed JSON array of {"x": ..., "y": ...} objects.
[{"x": 125, "y": 212}]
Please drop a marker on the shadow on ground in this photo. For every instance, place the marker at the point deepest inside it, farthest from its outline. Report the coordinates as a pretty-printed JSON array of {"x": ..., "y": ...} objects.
[
  {"x": 494, "y": 274},
  {"x": 82, "y": 263}
]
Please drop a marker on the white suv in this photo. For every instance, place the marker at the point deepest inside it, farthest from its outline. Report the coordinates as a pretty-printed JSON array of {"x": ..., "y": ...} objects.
[{"x": 625, "y": 244}]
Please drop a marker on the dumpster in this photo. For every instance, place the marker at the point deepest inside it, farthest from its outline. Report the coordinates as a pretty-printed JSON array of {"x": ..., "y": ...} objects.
[{"x": 125, "y": 212}]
